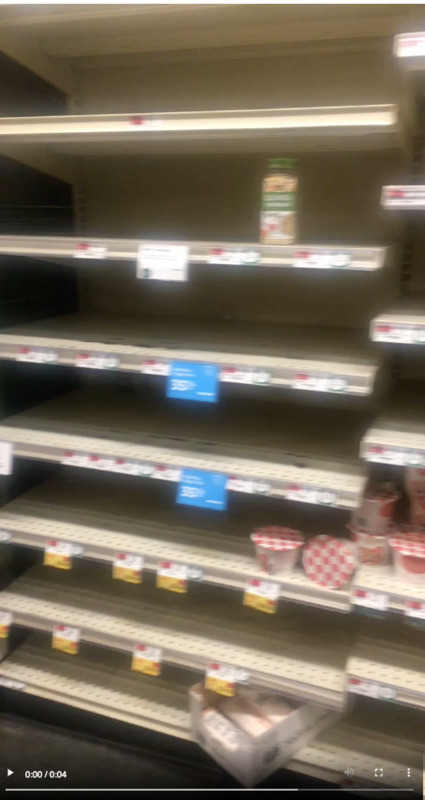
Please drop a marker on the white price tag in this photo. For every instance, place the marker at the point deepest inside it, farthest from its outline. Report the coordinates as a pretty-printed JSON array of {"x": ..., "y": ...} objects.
[
  {"x": 127, "y": 467},
  {"x": 415, "y": 609},
  {"x": 409, "y": 45},
  {"x": 6, "y": 458},
  {"x": 87, "y": 250},
  {"x": 163, "y": 262},
  {"x": 318, "y": 383},
  {"x": 5, "y": 536},
  {"x": 5, "y": 623},
  {"x": 37, "y": 356},
  {"x": 375, "y": 600},
  {"x": 303, "y": 494},
  {"x": 139, "y": 122},
  {"x": 233, "y": 256},
  {"x": 402, "y": 458},
  {"x": 310, "y": 259},
  {"x": 371, "y": 689},
  {"x": 164, "y": 473},
  {"x": 152, "y": 367},
  {"x": 250, "y": 376},
  {"x": 223, "y": 679},
  {"x": 95, "y": 361},
  {"x": 247, "y": 486},
  {"x": 8, "y": 683},
  {"x": 401, "y": 334}
]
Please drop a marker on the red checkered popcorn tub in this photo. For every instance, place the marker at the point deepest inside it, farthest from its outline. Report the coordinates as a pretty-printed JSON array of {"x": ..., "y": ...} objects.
[
  {"x": 330, "y": 562},
  {"x": 277, "y": 549}
]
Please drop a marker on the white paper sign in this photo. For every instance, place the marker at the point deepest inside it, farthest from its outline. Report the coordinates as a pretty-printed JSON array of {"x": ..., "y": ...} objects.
[
  {"x": 6, "y": 458},
  {"x": 415, "y": 609},
  {"x": 400, "y": 334},
  {"x": 402, "y": 458},
  {"x": 164, "y": 473},
  {"x": 247, "y": 486},
  {"x": 163, "y": 262},
  {"x": 87, "y": 250}
]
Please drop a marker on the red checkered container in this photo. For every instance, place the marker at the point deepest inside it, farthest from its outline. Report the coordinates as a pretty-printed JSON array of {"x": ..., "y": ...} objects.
[
  {"x": 371, "y": 549},
  {"x": 409, "y": 557},
  {"x": 375, "y": 514},
  {"x": 277, "y": 549},
  {"x": 329, "y": 562}
]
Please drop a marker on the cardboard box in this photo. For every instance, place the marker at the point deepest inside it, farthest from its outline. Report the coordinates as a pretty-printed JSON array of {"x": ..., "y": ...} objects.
[{"x": 255, "y": 733}]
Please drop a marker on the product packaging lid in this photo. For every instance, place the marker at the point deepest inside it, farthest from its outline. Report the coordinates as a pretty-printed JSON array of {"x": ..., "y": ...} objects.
[
  {"x": 329, "y": 561},
  {"x": 279, "y": 163},
  {"x": 409, "y": 544},
  {"x": 274, "y": 537},
  {"x": 358, "y": 532}
]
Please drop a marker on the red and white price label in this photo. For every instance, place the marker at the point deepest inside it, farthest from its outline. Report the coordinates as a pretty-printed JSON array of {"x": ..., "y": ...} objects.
[
  {"x": 409, "y": 45},
  {"x": 164, "y": 473},
  {"x": 401, "y": 334},
  {"x": 147, "y": 659},
  {"x": 387, "y": 455},
  {"x": 305, "y": 494},
  {"x": 6, "y": 458},
  {"x": 96, "y": 361},
  {"x": 36, "y": 355},
  {"x": 313, "y": 382},
  {"x": 257, "y": 377},
  {"x": 127, "y": 568},
  {"x": 369, "y": 599},
  {"x": 5, "y": 536},
  {"x": 66, "y": 639},
  {"x": 126, "y": 467},
  {"x": 235, "y": 484},
  {"x": 319, "y": 259},
  {"x": 89, "y": 250},
  {"x": 371, "y": 689},
  {"x": 223, "y": 679},
  {"x": 415, "y": 609},
  {"x": 233, "y": 256},
  {"x": 139, "y": 122},
  {"x": 163, "y": 262},
  {"x": 58, "y": 554},
  {"x": 153, "y": 367},
  {"x": 261, "y": 595},
  {"x": 5, "y": 623}
]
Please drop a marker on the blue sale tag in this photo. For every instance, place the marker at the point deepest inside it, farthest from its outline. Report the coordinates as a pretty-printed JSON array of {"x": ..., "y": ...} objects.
[
  {"x": 189, "y": 381},
  {"x": 202, "y": 489}
]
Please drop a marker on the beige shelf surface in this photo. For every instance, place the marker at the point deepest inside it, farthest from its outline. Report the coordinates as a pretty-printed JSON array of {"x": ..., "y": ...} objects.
[
  {"x": 299, "y": 451},
  {"x": 104, "y": 518},
  {"x": 333, "y": 360},
  {"x": 398, "y": 434},
  {"x": 284, "y": 653}
]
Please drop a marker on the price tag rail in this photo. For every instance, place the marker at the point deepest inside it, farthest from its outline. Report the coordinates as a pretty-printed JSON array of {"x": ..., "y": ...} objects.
[
  {"x": 62, "y": 247},
  {"x": 193, "y": 639},
  {"x": 69, "y": 430}
]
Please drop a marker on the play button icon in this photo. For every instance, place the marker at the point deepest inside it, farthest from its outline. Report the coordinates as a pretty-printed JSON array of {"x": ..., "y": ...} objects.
[{"x": 10, "y": 772}]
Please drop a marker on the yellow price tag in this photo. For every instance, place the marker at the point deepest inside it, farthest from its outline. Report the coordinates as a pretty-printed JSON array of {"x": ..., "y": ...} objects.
[
  {"x": 262, "y": 595},
  {"x": 66, "y": 639},
  {"x": 147, "y": 660},
  {"x": 127, "y": 568},
  {"x": 58, "y": 554},
  {"x": 172, "y": 577},
  {"x": 5, "y": 623}
]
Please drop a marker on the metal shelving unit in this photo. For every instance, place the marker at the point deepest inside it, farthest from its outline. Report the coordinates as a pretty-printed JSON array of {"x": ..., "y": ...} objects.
[
  {"x": 300, "y": 456},
  {"x": 264, "y": 355},
  {"x": 404, "y": 325},
  {"x": 398, "y": 434},
  {"x": 298, "y": 662}
]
